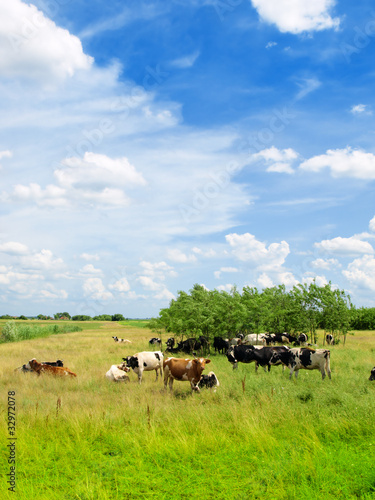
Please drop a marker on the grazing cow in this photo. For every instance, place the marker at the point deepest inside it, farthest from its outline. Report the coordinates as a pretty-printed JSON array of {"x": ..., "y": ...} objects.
[
  {"x": 372, "y": 374},
  {"x": 155, "y": 342},
  {"x": 39, "y": 368},
  {"x": 117, "y": 373},
  {"x": 116, "y": 339},
  {"x": 210, "y": 381},
  {"x": 145, "y": 362},
  {"x": 329, "y": 339},
  {"x": 184, "y": 369},
  {"x": 220, "y": 344},
  {"x": 303, "y": 358},
  {"x": 261, "y": 355}
]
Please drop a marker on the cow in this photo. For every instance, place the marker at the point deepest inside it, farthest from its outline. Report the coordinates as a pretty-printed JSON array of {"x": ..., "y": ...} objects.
[
  {"x": 221, "y": 345},
  {"x": 304, "y": 358},
  {"x": 145, "y": 362},
  {"x": 25, "y": 369},
  {"x": 116, "y": 339},
  {"x": 254, "y": 339},
  {"x": 170, "y": 342},
  {"x": 184, "y": 369},
  {"x": 372, "y": 374},
  {"x": 39, "y": 368},
  {"x": 155, "y": 341},
  {"x": 117, "y": 373},
  {"x": 302, "y": 339},
  {"x": 329, "y": 339},
  {"x": 261, "y": 355},
  {"x": 210, "y": 381}
]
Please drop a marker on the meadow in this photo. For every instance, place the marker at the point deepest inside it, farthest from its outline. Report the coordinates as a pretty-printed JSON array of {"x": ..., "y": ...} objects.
[{"x": 259, "y": 436}]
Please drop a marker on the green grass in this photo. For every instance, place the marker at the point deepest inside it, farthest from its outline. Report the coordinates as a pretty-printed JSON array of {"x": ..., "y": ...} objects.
[{"x": 259, "y": 436}]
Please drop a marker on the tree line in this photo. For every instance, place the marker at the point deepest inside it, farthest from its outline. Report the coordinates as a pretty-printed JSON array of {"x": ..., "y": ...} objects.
[{"x": 303, "y": 309}]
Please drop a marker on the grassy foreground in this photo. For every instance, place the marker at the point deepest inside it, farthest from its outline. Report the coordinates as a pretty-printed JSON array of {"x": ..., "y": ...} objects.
[{"x": 259, "y": 436}]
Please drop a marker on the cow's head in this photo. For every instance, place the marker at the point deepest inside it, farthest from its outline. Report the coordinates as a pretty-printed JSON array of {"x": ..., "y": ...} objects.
[
  {"x": 131, "y": 361},
  {"x": 230, "y": 355},
  {"x": 372, "y": 376},
  {"x": 123, "y": 367}
]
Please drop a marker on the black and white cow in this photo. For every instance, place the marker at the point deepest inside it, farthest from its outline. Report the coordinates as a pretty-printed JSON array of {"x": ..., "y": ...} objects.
[
  {"x": 210, "y": 381},
  {"x": 155, "y": 342},
  {"x": 329, "y": 339},
  {"x": 116, "y": 339},
  {"x": 248, "y": 353},
  {"x": 145, "y": 362},
  {"x": 372, "y": 374},
  {"x": 302, "y": 339},
  {"x": 303, "y": 358}
]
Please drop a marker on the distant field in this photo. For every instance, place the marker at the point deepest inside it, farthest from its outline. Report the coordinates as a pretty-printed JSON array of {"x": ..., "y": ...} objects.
[{"x": 259, "y": 436}]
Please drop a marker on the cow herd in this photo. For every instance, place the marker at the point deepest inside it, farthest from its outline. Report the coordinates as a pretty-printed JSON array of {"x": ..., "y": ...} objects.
[{"x": 257, "y": 348}]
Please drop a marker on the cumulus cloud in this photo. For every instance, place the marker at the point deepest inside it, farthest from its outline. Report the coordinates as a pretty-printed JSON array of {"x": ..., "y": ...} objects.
[
  {"x": 276, "y": 159},
  {"x": 33, "y": 47},
  {"x": 345, "y": 246},
  {"x": 346, "y": 162},
  {"x": 372, "y": 224},
  {"x": 94, "y": 179},
  {"x": 217, "y": 274},
  {"x": 121, "y": 285},
  {"x": 328, "y": 264},
  {"x": 95, "y": 289},
  {"x": 90, "y": 269},
  {"x": 297, "y": 16},
  {"x": 248, "y": 249},
  {"x": 14, "y": 248},
  {"x": 41, "y": 260},
  {"x": 361, "y": 272},
  {"x": 176, "y": 255}
]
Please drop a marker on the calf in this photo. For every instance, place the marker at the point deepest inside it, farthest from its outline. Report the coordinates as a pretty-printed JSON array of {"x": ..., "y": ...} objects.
[
  {"x": 145, "y": 361},
  {"x": 26, "y": 369},
  {"x": 303, "y": 358},
  {"x": 372, "y": 374},
  {"x": 116, "y": 339},
  {"x": 210, "y": 381},
  {"x": 117, "y": 373},
  {"x": 51, "y": 370},
  {"x": 184, "y": 369}
]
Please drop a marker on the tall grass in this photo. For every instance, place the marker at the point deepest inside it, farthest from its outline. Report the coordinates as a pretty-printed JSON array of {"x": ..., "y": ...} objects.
[
  {"x": 259, "y": 436},
  {"x": 14, "y": 332}
]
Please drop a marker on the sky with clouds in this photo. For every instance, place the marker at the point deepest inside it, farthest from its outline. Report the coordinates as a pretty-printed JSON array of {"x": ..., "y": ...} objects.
[{"x": 146, "y": 146}]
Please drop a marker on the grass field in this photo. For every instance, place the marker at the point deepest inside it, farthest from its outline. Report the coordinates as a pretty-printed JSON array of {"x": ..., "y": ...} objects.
[{"x": 259, "y": 436}]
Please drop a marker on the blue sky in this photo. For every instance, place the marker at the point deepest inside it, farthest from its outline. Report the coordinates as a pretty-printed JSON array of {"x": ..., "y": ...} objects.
[{"x": 147, "y": 146}]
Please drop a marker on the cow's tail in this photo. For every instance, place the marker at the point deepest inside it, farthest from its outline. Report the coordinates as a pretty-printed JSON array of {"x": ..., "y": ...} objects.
[{"x": 328, "y": 362}]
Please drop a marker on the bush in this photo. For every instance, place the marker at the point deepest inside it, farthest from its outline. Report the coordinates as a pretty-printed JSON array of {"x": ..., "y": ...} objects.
[{"x": 10, "y": 333}]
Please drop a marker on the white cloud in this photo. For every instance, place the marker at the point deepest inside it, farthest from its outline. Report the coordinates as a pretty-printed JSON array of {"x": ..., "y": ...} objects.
[
  {"x": 165, "y": 294},
  {"x": 90, "y": 269},
  {"x": 297, "y": 16},
  {"x": 346, "y": 162},
  {"x": 225, "y": 288},
  {"x": 176, "y": 255},
  {"x": 307, "y": 85},
  {"x": 88, "y": 256},
  {"x": 95, "y": 289},
  {"x": 372, "y": 224},
  {"x": 14, "y": 248},
  {"x": 360, "y": 109},
  {"x": 319, "y": 280},
  {"x": 271, "y": 44},
  {"x": 264, "y": 281},
  {"x": 121, "y": 285},
  {"x": 42, "y": 260},
  {"x": 328, "y": 264},
  {"x": 204, "y": 253},
  {"x": 361, "y": 272},
  {"x": 276, "y": 159},
  {"x": 345, "y": 246},
  {"x": 186, "y": 61},
  {"x": 157, "y": 270},
  {"x": 217, "y": 274},
  {"x": 5, "y": 154},
  {"x": 149, "y": 283},
  {"x": 248, "y": 249},
  {"x": 33, "y": 47}
]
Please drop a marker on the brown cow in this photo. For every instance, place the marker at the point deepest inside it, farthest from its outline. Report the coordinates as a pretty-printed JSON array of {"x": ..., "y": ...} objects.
[
  {"x": 52, "y": 370},
  {"x": 184, "y": 369}
]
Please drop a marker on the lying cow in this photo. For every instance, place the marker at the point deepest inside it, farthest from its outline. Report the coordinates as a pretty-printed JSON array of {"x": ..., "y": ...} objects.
[
  {"x": 372, "y": 374},
  {"x": 39, "y": 368},
  {"x": 184, "y": 370},
  {"x": 155, "y": 342},
  {"x": 303, "y": 358},
  {"x": 117, "y": 373},
  {"x": 145, "y": 361},
  {"x": 210, "y": 381},
  {"x": 116, "y": 339},
  {"x": 25, "y": 369}
]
